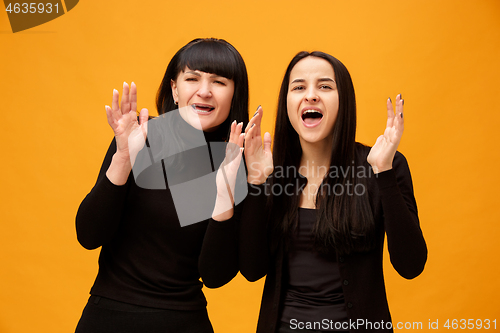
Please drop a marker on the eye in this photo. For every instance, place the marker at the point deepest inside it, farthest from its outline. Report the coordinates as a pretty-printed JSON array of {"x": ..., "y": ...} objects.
[
  {"x": 191, "y": 79},
  {"x": 298, "y": 88},
  {"x": 220, "y": 82},
  {"x": 324, "y": 86}
]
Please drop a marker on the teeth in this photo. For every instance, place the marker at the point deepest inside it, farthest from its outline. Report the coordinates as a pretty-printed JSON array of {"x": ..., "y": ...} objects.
[{"x": 311, "y": 111}]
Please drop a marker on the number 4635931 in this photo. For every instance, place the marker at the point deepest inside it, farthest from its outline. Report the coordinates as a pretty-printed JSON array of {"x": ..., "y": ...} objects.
[{"x": 32, "y": 8}]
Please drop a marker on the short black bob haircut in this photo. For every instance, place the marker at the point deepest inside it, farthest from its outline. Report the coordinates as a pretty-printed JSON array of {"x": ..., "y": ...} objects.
[{"x": 214, "y": 56}]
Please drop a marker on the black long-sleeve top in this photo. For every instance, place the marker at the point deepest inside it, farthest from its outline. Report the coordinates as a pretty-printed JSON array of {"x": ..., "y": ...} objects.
[
  {"x": 147, "y": 258},
  {"x": 395, "y": 214}
]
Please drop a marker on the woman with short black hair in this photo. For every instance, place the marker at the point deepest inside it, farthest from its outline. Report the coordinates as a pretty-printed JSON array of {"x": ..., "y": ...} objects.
[{"x": 155, "y": 248}]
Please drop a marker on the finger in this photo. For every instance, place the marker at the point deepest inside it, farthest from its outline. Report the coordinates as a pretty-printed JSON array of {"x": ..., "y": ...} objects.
[
  {"x": 114, "y": 104},
  {"x": 241, "y": 138},
  {"x": 252, "y": 121},
  {"x": 143, "y": 116},
  {"x": 109, "y": 115},
  {"x": 143, "y": 119},
  {"x": 125, "y": 104},
  {"x": 133, "y": 97},
  {"x": 390, "y": 114},
  {"x": 267, "y": 142},
  {"x": 231, "y": 134},
  {"x": 399, "y": 104}
]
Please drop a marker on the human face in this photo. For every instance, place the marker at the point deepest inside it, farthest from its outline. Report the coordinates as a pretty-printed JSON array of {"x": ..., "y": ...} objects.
[
  {"x": 204, "y": 98},
  {"x": 313, "y": 100}
]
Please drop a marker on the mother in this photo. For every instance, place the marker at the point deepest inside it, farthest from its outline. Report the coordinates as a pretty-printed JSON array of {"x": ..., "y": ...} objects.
[{"x": 150, "y": 265}]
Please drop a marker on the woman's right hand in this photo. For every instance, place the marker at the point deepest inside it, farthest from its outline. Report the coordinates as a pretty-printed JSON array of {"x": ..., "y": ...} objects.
[
  {"x": 258, "y": 157},
  {"x": 130, "y": 135}
]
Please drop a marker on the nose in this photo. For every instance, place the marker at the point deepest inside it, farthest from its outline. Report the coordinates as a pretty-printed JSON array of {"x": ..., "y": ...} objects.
[
  {"x": 311, "y": 96},
  {"x": 204, "y": 91}
]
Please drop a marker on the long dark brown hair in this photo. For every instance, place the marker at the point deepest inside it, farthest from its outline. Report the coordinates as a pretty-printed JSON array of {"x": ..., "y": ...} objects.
[{"x": 344, "y": 222}]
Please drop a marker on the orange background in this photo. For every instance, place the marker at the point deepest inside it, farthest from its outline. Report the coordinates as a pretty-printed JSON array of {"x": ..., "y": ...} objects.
[{"x": 55, "y": 79}]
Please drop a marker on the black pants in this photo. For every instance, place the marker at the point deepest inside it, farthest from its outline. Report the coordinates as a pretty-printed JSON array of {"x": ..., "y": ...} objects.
[{"x": 102, "y": 315}]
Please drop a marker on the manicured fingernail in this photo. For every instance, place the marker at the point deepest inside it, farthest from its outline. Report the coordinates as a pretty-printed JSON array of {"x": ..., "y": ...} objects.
[
  {"x": 390, "y": 100},
  {"x": 252, "y": 125},
  {"x": 403, "y": 101},
  {"x": 400, "y": 96},
  {"x": 258, "y": 107},
  {"x": 234, "y": 122},
  {"x": 114, "y": 90},
  {"x": 401, "y": 114},
  {"x": 256, "y": 113},
  {"x": 106, "y": 107},
  {"x": 241, "y": 149}
]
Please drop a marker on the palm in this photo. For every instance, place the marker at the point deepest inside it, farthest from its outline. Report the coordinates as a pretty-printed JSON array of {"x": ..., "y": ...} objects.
[
  {"x": 227, "y": 173},
  {"x": 259, "y": 157},
  {"x": 129, "y": 134},
  {"x": 382, "y": 153}
]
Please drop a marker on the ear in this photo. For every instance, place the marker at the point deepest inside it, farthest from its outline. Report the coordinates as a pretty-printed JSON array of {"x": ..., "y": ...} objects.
[{"x": 175, "y": 95}]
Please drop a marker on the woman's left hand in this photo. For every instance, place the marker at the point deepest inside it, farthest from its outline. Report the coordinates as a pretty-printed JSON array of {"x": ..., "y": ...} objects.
[
  {"x": 382, "y": 153},
  {"x": 226, "y": 175}
]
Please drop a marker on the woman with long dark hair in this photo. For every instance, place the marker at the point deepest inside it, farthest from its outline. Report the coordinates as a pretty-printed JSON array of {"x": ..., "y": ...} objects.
[
  {"x": 155, "y": 243},
  {"x": 329, "y": 203}
]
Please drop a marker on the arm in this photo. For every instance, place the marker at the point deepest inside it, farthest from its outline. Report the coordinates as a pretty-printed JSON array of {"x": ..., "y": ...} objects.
[
  {"x": 100, "y": 212},
  {"x": 254, "y": 242},
  {"x": 218, "y": 262},
  {"x": 406, "y": 244},
  {"x": 407, "y": 248}
]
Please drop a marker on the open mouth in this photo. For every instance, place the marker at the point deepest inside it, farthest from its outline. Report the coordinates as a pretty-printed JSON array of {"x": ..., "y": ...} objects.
[
  {"x": 202, "y": 108},
  {"x": 311, "y": 117}
]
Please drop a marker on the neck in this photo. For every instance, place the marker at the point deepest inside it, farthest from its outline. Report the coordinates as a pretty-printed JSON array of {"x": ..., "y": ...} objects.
[{"x": 315, "y": 160}]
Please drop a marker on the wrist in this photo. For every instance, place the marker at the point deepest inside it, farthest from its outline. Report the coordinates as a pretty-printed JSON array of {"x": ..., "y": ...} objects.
[{"x": 379, "y": 169}]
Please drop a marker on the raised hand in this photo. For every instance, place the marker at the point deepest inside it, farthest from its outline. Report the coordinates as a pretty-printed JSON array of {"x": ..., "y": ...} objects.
[
  {"x": 226, "y": 174},
  {"x": 130, "y": 135},
  {"x": 259, "y": 158},
  {"x": 382, "y": 153}
]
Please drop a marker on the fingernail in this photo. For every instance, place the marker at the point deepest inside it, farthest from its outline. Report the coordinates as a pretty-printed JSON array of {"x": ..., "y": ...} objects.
[
  {"x": 252, "y": 125},
  {"x": 256, "y": 113},
  {"x": 401, "y": 114},
  {"x": 234, "y": 122},
  {"x": 390, "y": 100},
  {"x": 241, "y": 149},
  {"x": 400, "y": 96},
  {"x": 241, "y": 124},
  {"x": 258, "y": 107},
  {"x": 114, "y": 90},
  {"x": 106, "y": 107},
  {"x": 403, "y": 101}
]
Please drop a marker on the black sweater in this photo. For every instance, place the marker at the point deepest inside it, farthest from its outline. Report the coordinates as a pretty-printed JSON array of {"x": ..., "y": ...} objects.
[
  {"x": 395, "y": 214},
  {"x": 147, "y": 258}
]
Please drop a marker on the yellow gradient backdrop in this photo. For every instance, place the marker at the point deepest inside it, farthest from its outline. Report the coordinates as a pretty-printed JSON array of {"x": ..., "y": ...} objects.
[{"x": 55, "y": 79}]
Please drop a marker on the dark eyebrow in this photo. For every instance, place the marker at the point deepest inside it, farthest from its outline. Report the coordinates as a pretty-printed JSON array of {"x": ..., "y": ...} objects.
[
  {"x": 193, "y": 72},
  {"x": 216, "y": 76},
  {"x": 323, "y": 79}
]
